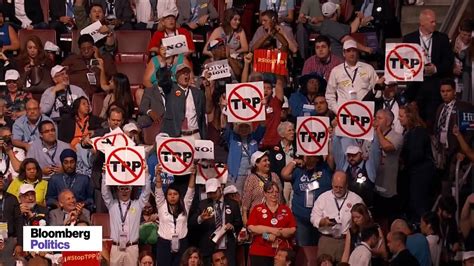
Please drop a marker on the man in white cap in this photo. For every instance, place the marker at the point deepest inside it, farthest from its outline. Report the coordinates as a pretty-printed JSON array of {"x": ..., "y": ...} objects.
[
  {"x": 468, "y": 258},
  {"x": 32, "y": 213},
  {"x": 185, "y": 114},
  {"x": 231, "y": 192},
  {"x": 215, "y": 213},
  {"x": 351, "y": 80},
  {"x": 57, "y": 100},
  {"x": 360, "y": 167}
]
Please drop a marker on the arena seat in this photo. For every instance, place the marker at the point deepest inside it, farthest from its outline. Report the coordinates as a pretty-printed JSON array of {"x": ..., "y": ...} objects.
[{"x": 102, "y": 219}]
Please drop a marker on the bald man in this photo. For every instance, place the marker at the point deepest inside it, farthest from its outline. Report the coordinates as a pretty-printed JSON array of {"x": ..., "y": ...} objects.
[
  {"x": 331, "y": 214},
  {"x": 416, "y": 243},
  {"x": 70, "y": 212},
  {"x": 438, "y": 61}
]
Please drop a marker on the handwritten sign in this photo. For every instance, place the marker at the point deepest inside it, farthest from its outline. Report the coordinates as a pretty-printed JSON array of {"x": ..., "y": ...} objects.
[
  {"x": 175, "y": 45},
  {"x": 219, "y": 69},
  {"x": 93, "y": 30}
]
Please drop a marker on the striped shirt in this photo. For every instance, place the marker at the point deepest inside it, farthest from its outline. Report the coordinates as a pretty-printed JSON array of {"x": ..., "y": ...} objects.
[{"x": 313, "y": 64}]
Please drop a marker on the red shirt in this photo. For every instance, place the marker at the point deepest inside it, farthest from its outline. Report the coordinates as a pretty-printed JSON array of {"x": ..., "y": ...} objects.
[
  {"x": 159, "y": 35},
  {"x": 273, "y": 119},
  {"x": 282, "y": 218}
]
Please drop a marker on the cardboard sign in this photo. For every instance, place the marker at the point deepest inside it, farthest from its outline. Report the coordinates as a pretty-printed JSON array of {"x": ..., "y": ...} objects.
[
  {"x": 404, "y": 62},
  {"x": 270, "y": 61},
  {"x": 93, "y": 30},
  {"x": 466, "y": 121},
  {"x": 203, "y": 149},
  {"x": 245, "y": 102},
  {"x": 78, "y": 258},
  {"x": 176, "y": 155},
  {"x": 355, "y": 120},
  {"x": 115, "y": 138},
  {"x": 312, "y": 135},
  {"x": 218, "y": 69},
  {"x": 207, "y": 169},
  {"x": 125, "y": 166},
  {"x": 175, "y": 45}
]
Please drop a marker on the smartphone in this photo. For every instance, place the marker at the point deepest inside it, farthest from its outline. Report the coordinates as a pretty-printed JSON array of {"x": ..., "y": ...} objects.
[
  {"x": 332, "y": 220},
  {"x": 94, "y": 62}
]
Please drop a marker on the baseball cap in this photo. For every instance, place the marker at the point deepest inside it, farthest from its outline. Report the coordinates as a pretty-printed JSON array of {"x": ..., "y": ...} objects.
[
  {"x": 12, "y": 74},
  {"x": 230, "y": 190},
  {"x": 328, "y": 9},
  {"x": 130, "y": 127},
  {"x": 168, "y": 12},
  {"x": 352, "y": 149},
  {"x": 257, "y": 155},
  {"x": 467, "y": 255},
  {"x": 25, "y": 188},
  {"x": 349, "y": 44},
  {"x": 49, "y": 46},
  {"x": 182, "y": 67},
  {"x": 56, "y": 69},
  {"x": 212, "y": 184}
]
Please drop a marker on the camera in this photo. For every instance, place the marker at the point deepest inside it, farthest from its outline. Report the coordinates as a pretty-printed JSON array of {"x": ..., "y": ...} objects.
[{"x": 6, "y": 139}]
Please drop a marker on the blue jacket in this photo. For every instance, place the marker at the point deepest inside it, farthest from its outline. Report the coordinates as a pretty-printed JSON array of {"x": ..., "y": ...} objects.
[
  {"x": 235, "y": 147},
  {"x": 79, "y": 184},
  {"x": 296, "y": 102}
]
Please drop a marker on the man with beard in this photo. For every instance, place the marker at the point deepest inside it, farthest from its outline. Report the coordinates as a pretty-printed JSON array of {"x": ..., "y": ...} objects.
[
  {"x": 79, "y": 184},
  {"x": 331, "y": 214},
  {"x": 69, "y": 211},
  {"x": 32, "y": 213}
]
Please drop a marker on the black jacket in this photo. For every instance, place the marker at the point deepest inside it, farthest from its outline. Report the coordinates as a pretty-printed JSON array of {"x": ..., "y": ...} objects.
[
  {"x": 404, "y": 258},
  {"x": 67, "y": 126},
  {"x": 33, "y": 11},
  {"x": 12, "y": 216}
]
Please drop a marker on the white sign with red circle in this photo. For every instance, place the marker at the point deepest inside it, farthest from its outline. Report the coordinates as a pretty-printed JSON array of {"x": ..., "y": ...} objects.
[
  {"x": 404, "y": 62},
  {"x": 355, "y": 120},
  {"x": 115, "y": 138},
  {"x": 245, "y": 102},
  {"x": 176, "y": 155},
  {"x": 125, "y": 166},
  {"x": 312, "y": 134},
  {"x": 207, "y": 169}
]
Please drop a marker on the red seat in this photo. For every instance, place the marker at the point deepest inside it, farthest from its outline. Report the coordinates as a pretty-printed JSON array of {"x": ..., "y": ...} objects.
[
  {"x": 44, "y": 35},
  {"x": 131, "y": 58},
  {"x": 74, "y": 37},
  {"x": 132, "y": 41},
  {"x": 313, "y": 36},
  {"x": 307, "y": 255},
  {"x": 134, "y": 72},
  {"x": 102, "y": 219}
]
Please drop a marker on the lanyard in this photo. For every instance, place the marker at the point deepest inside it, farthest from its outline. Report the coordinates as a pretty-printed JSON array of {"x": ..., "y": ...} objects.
[
  {"x": 7, "y": 165},
  {"x": 349, "y": 76},
  {"x": 426, "y": 47},
  {"x": 175, "y": 218},
  {"x": 339, "y": 207},
  {"x": 123, "y": 217},
  {"x": 3, "y": 207},
  {"x": 71, "y": 184},
  {"x": 36, "y": 126},
  {"x": 46, "y": 150},
  {"x": 246, "y": 151},
  {"x": 176, "y": 33},
  {"x": 83, "y": 128}
]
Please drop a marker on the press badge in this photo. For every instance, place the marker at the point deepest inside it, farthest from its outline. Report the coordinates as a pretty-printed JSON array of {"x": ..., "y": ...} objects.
[
  {"x": 123, "y": 241},
  {"x": 91, "y": 78},
  {"x": 309, "y": 195},
  {"x": 174, "y": 243},
  {"x": 353, "y": 95},
  {"x": 4, "y": 230},
  {"x": 307, "y": 108}
]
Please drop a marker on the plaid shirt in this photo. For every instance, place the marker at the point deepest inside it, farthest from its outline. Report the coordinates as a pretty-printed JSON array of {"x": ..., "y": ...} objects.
[{"x": 313, "y": 64}]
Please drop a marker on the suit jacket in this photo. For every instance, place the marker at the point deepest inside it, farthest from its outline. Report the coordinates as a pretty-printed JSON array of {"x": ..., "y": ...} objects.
[
  {"x": 123, "y": 10},
  {"x": 459, "y": 106},
  {"x": 12, "y": 215},
  {"x": 67, "y": 126},
  {"x": 33, "y": 11},
  {"x": 404, "y": 258},
  {"x": 152, "y": 100},
  {"x": 232, "y": 216},
  {"x": 175, "y": 106},
  {"x": 278, "y": 158},
  {"x": 204, "y": 7},
  {"x": 57, "y": 9},
  {"x": 56, "y": 217}
]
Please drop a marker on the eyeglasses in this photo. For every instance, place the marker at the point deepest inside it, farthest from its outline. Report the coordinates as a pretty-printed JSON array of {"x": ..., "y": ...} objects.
[{"x": 10, "y": 81}]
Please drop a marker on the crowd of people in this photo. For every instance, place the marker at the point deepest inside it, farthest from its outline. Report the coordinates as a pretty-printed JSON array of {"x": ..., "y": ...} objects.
[{"x": 385, "y": 201}]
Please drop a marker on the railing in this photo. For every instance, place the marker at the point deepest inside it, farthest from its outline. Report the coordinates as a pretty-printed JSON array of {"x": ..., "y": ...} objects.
[{"x": 453, "y": 17}]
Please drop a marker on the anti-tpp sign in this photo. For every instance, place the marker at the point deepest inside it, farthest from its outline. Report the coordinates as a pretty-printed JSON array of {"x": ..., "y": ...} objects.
[
  {"x": 245, "y": 102},
  {"x": 207, "y": 169},
  {"x": 125, "y": 166},
  {"x": 176, "y": 155},
  {"x": 355, "y": 120},
  {"x": 404, "y": 62},
  {"x": 312, "y": 135},
  {"x": 116, "y": 138}
]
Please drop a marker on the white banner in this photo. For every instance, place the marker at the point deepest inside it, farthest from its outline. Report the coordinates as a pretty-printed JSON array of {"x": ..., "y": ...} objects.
[
  {"x": 245, "y": 102},
  {"x": 62, "y": 238},
  {"x": 175, "y": 45},
  {"x": 203, "y": 149},
  {"x": 404, "y": 62},
  {"x": 125, "y": 166},
  {"x": 355, "y": 120},
  {"x": 218, "y": 69},
  {"x": 176, "y": 155},
  {"x": 113, "y": 139},
  {"x": 312, "y": 134},
  {"x": 207, "y": 169},
  {"x": 93, "y": 30}
]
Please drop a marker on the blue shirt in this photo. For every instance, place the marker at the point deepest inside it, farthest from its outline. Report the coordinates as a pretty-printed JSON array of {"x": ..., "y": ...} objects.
[
  {"x": 5, "y": 34},
  {"x": 47, "y": 157},
  {"x": 22, "y": 130},
  {"x": 300, "y": 179},
  {"x": 281, "y": 6},
  {"x": 297, "y": 101},
  {"x": 419, "y": 248},
  {"x": 79, "y": 184},
  {"x": 340, "y": 145}
]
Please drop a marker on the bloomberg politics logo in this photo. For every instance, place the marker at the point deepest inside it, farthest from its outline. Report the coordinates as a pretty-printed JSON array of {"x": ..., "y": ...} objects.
[{"x": 62, "y": 238}]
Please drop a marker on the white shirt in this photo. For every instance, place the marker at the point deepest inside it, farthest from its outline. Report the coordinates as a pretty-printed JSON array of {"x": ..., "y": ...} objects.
[
  {"x": 361, "y": 256},
  {"x": 167, "y": 227},
  {"x": 325, "y": 206},
  {"x": 164, "y": 5},
  {"x": 20, "y": 13},
  {"x": 19, "y": 154},
  {"x": 190, "y": 113},
  {"x": 443, "y": 137},
  {"x": 341, "y": 87},
  {"x": 143, "y": 11},
  {"x": 426, "y": 44},
  {"x": 435, "y": 248},
  {"x": 395, "y": 108}
]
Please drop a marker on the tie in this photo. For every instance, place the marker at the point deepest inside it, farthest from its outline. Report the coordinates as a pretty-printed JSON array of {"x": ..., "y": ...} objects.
[
  {"x": 387, "y": 104},
  {"x": 153, "y": 4},
  {"x": 354, "y": 171},
  {"x": 217, "y": 208},
  {"x": 444, "y": 116},
  {"x": 69, "y": 9}
]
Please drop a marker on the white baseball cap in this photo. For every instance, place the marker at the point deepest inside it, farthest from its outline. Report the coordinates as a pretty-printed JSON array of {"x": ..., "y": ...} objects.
[
  {"x": 352, "y": 149},
  {"x": 349, "y": 44},
  {"x": 25, "y": 188},
  {"x": 49, "y": 46},
  {"x": 257, "y": 155},
  {"x": 467, "y": 255},
  {"x": 169, "y": 12},
  {"x": 328, "y": 9},
  {"x": 230, "y": 190},
  {"x": 56, "y": 69},
  {"x": 12, "y": 74},
  {"x": 212, "y": 184},
  {"x": 130, "y": 127}
]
